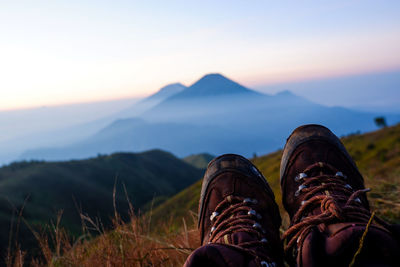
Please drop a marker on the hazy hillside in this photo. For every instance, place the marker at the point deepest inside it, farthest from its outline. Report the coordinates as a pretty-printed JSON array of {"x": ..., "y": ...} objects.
[
  {"x": 86, "y": 187},
  {"x": 216, "y": 115},
  {"x": 138, "y": 135},
  {"x": 166, "y": 92},
  {"x": 60, "y": 126},
  {"x": 150, "y": 101}
]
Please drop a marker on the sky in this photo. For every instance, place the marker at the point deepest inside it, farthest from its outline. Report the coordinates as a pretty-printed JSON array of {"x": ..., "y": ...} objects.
[{"x": 62, "y": 52}]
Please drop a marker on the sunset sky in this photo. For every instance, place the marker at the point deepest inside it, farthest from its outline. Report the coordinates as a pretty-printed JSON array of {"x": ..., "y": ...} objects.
[{"x": 59, "y": 52}]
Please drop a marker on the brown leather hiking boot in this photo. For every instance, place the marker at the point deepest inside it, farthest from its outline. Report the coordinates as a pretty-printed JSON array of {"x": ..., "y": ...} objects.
[
  {"x": 239, "y": 219},
  {"x": 324, "y": 194}
]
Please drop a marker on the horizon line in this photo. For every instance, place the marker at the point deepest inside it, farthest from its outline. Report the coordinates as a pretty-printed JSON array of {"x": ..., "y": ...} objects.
[{"x": 252, "y": 86}]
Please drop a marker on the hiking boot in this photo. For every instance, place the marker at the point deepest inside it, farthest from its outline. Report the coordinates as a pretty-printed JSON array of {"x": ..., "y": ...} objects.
[
  {"x": 239, "y": 219},
  {"x": 324, "y": 194}
]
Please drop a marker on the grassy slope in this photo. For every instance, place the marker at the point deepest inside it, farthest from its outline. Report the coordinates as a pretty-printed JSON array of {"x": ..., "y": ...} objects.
[
  {"x": 377, "y": 155},
  {"x": 88, "y": 184},
  {"x": 199, "y": 160},
  {"x": 170, "y": 239}
]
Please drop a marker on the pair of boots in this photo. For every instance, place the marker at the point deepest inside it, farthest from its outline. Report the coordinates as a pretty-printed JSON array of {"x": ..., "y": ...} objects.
[{"x": 324, "y": 195}]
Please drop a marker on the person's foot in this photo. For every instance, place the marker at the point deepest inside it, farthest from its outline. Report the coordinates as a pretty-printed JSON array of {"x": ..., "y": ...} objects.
[
  {"x": 239, "y": 219},
  {"x": 324, "y": 194}
]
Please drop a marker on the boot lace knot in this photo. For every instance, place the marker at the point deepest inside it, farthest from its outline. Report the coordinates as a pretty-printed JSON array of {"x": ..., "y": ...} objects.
[{"x": 337, "y": 202}]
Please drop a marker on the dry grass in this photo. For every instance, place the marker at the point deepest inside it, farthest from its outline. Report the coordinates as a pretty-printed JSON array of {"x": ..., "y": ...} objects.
[{"x": 132, "y": 243}]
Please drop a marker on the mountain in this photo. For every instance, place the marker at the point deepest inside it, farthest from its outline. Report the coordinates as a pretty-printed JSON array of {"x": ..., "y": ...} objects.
[
  {"x": 216, "y": 115},
  {"x": 212, "y": 85},
  {"x": 208, "y": 97},
  {"x": 86, "y": 187}
]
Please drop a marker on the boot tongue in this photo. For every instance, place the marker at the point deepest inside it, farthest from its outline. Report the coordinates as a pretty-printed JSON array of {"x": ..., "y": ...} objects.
[
  {"x": 319, "y": 169},
  {"x": 238, "y": 238}
]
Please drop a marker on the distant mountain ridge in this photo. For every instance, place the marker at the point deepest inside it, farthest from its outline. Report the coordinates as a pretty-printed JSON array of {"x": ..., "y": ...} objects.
[{"x": 214, "y": 114}]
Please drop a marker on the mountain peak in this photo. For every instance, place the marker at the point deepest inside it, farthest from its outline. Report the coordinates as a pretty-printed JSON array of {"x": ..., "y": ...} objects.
[
  {"x": 217, "y": 79},
  {"x": 167, "y": 91},
  {"x": 214, "y": 76},
  {"x": 172, "y": 86},
  {"x": 213, "y": 84}
]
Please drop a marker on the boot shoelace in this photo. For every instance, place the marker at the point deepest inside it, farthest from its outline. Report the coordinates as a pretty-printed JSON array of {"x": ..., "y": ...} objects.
[
  {"x": 335, "y": 197},
  {"x": 235, "y": 214}
]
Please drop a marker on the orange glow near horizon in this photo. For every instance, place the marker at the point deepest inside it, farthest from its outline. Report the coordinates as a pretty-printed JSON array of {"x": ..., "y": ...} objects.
[{"x": 248, "y": 80}]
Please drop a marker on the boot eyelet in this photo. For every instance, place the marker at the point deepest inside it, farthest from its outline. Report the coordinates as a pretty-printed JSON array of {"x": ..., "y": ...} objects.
[
  {"x": 348, "y": 186},
  {"x": 266, "y": 264},
  {"x": 358, "y": 200},
  {"x": 264, "y": 240},
  {"x": 212, "y": 229},
  {"x": 303, "y": 202},
  {"x": 301, "y": 187},
  {"x": 300, "y": 177},
  {"x": 257, "y": 226},
  {"x": 214, "y": 215},
  {"x": 252, "y": 213},
  {"x": 340, "y": 174},
  {"x": 249, "y": 200}
]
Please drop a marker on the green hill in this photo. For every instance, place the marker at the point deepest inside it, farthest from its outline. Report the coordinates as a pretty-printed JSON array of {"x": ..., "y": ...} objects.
[
  {"x": 377, "y": 155},
  {"x": 199, "y": 160},
  {"x": 86, "y": 186}
]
